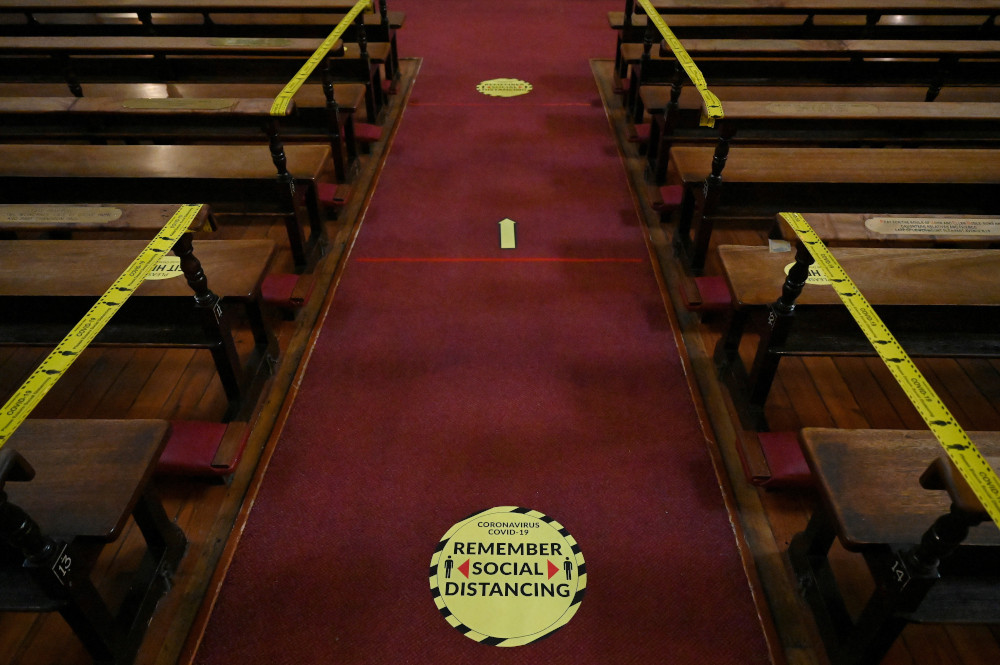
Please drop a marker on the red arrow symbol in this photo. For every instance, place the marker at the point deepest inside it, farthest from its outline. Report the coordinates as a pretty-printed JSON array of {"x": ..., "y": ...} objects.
[
  {"x": 553, "y": 569},
  {"x": 464, "y": 568}
]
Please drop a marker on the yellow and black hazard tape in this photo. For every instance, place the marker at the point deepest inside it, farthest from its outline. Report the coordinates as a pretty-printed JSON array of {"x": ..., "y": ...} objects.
[
  {"x": 284, "y": 98},
  {"x": 83, "y": 333},
  {"x": 963, "y": 452},
  {"x": 712, "y": 106}
]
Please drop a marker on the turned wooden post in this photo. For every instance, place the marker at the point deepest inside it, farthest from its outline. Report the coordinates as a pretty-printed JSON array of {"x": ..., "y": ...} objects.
[
  {"x": 333, "y": 124},
  {"x": 779, "y": 319},
  {"x": 193, "y": 272},
  {"x": 711, "y": 190},
  {"x": 662, "y": 151}
]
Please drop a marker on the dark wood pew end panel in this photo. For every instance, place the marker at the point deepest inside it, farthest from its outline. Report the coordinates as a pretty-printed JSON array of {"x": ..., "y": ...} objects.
[
  {"x": 933, "y": 552},
  {"x": 67, "y": 488}
]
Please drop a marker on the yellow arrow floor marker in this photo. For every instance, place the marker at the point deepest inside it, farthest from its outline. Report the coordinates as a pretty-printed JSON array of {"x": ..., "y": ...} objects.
[
  {"x": 508, "y": 239},
  {"x": 966, "y": 457},
  {"x": 83, "y": 333}
]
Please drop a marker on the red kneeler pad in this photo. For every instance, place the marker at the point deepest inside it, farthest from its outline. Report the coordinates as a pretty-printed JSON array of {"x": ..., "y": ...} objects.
[
  {"x": 286, "y": 290},
  {"x": 202, "y": 448},
  {"x": 784, "y": 457}
]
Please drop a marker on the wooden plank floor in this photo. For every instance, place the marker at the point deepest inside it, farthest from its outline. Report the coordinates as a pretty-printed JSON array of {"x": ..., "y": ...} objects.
[
  {"x": 843, "y": 392},
  {"x": 181, "y": 384}
]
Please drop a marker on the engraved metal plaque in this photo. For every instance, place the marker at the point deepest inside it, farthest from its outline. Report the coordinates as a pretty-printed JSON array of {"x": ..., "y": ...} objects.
[
  {"x": 934, "y": 226},
  {"x": 57, "y": 214},
  {"x": 193, "y": 103},
  {"x": 249, "y": 41}
]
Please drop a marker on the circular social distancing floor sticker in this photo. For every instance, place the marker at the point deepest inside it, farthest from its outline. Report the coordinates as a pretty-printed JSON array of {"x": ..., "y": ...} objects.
[
  {"x": 508, "y": 576},
  {"x": 504, "y": 87}
]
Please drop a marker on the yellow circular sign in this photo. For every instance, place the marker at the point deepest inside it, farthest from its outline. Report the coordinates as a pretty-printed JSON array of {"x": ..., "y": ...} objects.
[
  {"x": 816, "y": 275},
  {"x": 168, "y": 266},
  {"x": 508, "y": 576},
  {"x": 504, "y": 87}
]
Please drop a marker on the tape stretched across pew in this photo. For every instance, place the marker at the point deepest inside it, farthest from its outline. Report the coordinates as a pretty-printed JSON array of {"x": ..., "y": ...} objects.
[
  {"x": 960, "y": 449},
  {"x": 284, "y": 98},
  {"x": 83, "y": 333},
  {"x": 712, "y": 105}
]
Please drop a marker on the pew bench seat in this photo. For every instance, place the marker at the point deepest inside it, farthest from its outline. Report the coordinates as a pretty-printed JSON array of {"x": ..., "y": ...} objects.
[
  {"x": 831, "y": 123},
  {"x": 893, "y": 497},
  {"x": 79, "y": 482},
  {"x": 46, "y": 286},
  {"x": 937, "y": 302},
  {"x": 757, "y": 182},
  {"x": 231, "y": 178}
]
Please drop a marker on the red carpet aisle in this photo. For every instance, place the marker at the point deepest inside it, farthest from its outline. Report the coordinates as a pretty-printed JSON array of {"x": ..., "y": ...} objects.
[{"x": 453, "y": 376}]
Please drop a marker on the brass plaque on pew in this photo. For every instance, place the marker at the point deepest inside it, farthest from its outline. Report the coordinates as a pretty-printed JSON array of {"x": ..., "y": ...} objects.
[
  {"x": 192, "y": 103},
  {"x": 934, "y": 226},
  {"x": 250, "y": 41},
  {"x": 57, "y": 214},
  {"x": 822, "y": 108}
]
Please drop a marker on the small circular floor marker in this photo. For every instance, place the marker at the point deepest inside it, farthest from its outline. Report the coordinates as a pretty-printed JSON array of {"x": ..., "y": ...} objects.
[
  {"x": 508, "y": 576},
  {"x": 504, "y": 87}
]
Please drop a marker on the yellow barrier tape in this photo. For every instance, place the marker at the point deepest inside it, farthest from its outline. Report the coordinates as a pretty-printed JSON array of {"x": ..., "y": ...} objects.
[
  {"x": 284, "y": 98},
  {"x": 968, "y": 460},
  {"x": 712, "y": 106},
  {"x": 83, "y": 333}
]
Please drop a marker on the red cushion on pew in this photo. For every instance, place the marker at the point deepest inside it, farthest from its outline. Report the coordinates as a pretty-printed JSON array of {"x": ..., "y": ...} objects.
[
  {"x": 332, "y": 195},
  {"x": 641, "y": 133},
  {"x": 784, "y": 457},
  {"x": 367, "y": 133},
  {"x": 670, "y": 198},
  {"x": 711, "y": 293},
  {"x": 194, "y": 448},
  {"x": 286, "y": 290}
]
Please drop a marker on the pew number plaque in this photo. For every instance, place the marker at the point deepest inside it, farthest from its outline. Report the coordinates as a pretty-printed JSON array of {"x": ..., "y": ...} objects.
[{"x": 508, "y": 576}]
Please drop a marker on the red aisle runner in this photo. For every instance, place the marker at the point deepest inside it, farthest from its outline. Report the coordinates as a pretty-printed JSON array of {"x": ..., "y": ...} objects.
[{"x": 453, "y": 376}]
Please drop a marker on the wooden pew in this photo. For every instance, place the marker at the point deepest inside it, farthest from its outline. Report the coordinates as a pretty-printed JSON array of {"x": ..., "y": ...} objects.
[
  {"x": 322, "y": 113},
  {"x": 68, "y": 488},
  {"x": 881, "y": 491},
  {"x": 213, "y": 288},
  {"x": 831, "y": 123},
  {"x": 231, "y": 178},
  {"x": 316, "y": 105},
  {"x": 759, "y": 182},
  {"x": 807, "y": 19},
  {"x": 938, "y": 302},
  {"x": 180, "y": 120},
  {"x": 279, "y": 18},
  {"x": 78, "y": 60},
  {"x": 932, "y": 63},
  {"x": 232, "y": 19}
]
